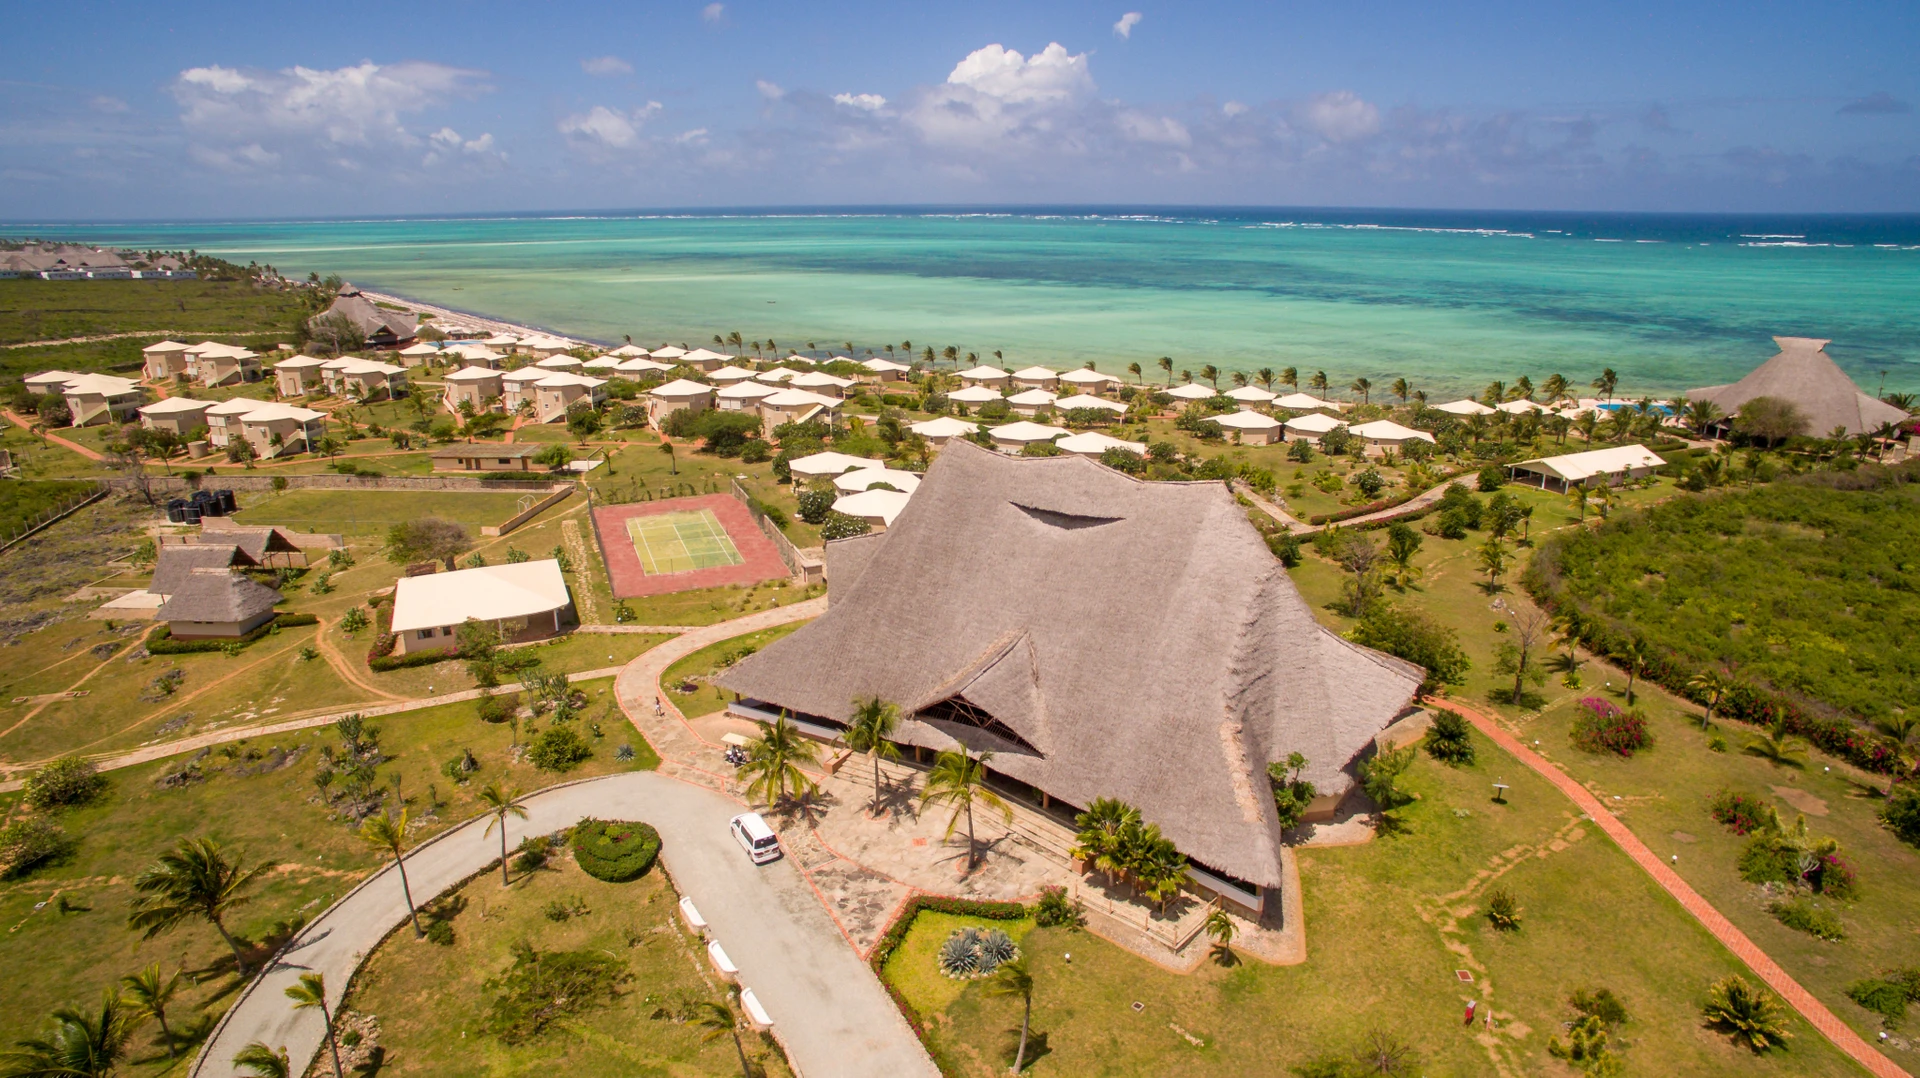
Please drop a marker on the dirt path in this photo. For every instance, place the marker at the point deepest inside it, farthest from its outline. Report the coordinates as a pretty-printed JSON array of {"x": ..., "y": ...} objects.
[
  {"x": 1769, "y": 971},
  {"x": 345, "y": 668},
  {"x": 25, "y": 424}
]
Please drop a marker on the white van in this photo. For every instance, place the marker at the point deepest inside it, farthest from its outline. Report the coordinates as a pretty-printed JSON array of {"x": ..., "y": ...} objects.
[{"x": 756, "y": 837}]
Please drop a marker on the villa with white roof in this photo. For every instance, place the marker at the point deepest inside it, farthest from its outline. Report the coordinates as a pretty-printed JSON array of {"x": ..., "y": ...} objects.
[{"x": 522, "y": 601}]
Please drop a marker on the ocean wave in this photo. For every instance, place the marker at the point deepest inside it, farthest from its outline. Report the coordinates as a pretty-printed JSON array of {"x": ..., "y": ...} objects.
[{"x": 1773, "y": 235}]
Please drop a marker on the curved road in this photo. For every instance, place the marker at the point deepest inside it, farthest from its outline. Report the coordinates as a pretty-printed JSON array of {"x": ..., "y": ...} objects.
[{"x": 829, "y": 1011}]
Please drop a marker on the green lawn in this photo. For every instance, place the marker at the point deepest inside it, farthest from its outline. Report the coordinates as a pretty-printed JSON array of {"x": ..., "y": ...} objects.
[
  {"x": 1387, "y": 924},
  {"x": 24, "y": 504},
  {"x": 432, "y": 1002},
  {"x": 707, "y": 698},
  {"x": 37, "y": 458},
  {"x": 372, "y": 512},
  {"x": 51, "y": 957},
  {"x": 51, "y": 310}
]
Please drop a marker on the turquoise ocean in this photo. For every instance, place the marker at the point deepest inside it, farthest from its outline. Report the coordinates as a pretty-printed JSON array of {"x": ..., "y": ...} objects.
[{"x": 1447, "y": 299}]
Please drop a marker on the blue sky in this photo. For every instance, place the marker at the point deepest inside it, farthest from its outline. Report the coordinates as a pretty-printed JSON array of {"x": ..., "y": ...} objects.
[{"x": 263, "y": 109}]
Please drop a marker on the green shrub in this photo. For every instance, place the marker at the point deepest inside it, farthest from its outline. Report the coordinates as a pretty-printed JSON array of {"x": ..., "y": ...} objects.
[
  {"x": 1804, "y": 916},
  {"x": 1503, "y": 910},
  {"x": 558, "y": 748},
  {"x": 815, "y": 505},
  {"x": 1744, "y": 813},
  {"x": 843, "y": 526},
  {"x": 1599, "y": 1003},
  {"x": 69, "y": 780},
  {"x": 1406, "y": 633},
  {"x": 1449, "y": 740},
  {"x": 614, "y": 850},
  {"x": 27, "y": 844},
  {"x": 440, "y": 932},
  {"x": 544, "y": 987},
  {"x": 1901, "y": 813},
  {"x": 1056, "y": 910},
  {"x": 533, "y": 853},
  {"x": 1887, "y": 994}
]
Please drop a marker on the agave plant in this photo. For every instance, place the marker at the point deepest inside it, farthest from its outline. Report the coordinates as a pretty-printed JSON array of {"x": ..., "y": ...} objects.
[
  {"x": 960, "y": 955},
  {"x": 996, "y": 947},
  {"x": 1749, "y": 1013}
]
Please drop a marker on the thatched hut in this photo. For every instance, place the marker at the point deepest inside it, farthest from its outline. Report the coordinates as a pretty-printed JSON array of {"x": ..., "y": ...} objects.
[{"x": 1804, "y": 376}]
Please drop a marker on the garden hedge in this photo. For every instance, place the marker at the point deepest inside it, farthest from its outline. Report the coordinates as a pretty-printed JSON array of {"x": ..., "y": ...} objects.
[
  {"x": 614, "y": 850},
  {"x": 161, "y": 642}
]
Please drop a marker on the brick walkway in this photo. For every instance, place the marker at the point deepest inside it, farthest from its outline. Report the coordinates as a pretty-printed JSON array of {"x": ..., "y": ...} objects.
[
  {"x": 26, "y": 424},
  {"x": 1776, "y": 978}
]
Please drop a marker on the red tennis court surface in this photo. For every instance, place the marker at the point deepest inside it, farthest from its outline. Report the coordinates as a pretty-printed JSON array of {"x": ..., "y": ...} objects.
[{"x": 762, "y": 561}]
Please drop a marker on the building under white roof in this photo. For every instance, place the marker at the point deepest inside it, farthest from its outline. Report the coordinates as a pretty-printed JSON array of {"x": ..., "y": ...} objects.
[
  {"x": 884, "y": 367},
  {"x": 1613, "y": 465},
  {"x": 1036, "y": 377},
  {"x": 776, "y": 375},
  {"x": 743, "y": 395},
  {"x": 1030, "y": 401},
  {"x": 680, "y": 389},
  {"x": 602, "y": 363},
  {"x": 975, "y": 395},
  {"x": 1193, "y": 392},
  {"x": 937, "y": 431},
  {"x": 866, "y": 478},
  {"x": 1014, "y": 437},
  {"x": 1092, "y": 443},
  {"x": 642, "y": 365},
  {"x": 428, "y": 610},
  {"x": 1520, "y": 407},
  {"x": 1388, "y": 434},
  {"x": 1087, "y": 400},
  {"x": 984, "y": 375},
  {"x": 876, "y": 507},
  {"x": 1300, "y": 402},
  {"x": 502, "y": 340},
  {"x": 667, "y": 351},
  {"x": 830, "y": 463},
  {"x": 795, "y": 357},
  {"x": 728, "y": 375},
  {"x": 559, "y": 363},
  {"x": 1248, "y": 396},
  {"x": 1252, "y": 427},
  {"x": 628, "y": 351},
  {"x": 1086, "y": 379},
  {"x": 1464, "y": 407},
  {"x": 818, "y": 380},
  {"x": 1310, "y": 426}
]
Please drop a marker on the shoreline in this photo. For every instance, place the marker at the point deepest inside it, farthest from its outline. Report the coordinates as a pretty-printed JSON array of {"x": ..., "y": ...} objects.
[{"x": 443, "y": 314}]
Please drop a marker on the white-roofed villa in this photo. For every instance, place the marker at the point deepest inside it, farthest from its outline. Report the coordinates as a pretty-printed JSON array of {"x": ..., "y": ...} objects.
[
  {"x": 522, "y": 601},
  {"x": 1594, "y": 467},
  {"x": 1016, "y": 437},
  {"x": 939, "y": 431},
  {"x": 1031, "y": 402},
  {"x": 479, "y": 387},
  {"x": 167, "y": 359},
  {"x": 985, "y": 376},
  {"x": 1384, "y": 434},
  {"x": 1309, "y": 427},
  {"x": 1250, "y": 428},
  {"x": 675, "y": 396},
  {"x": 1092, "y": 443}
]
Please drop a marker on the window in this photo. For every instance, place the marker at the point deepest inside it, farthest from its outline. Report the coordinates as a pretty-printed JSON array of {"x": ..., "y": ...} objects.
[
  {"x": 504, "y": 460},
  {"x": 425, "y": 634}
]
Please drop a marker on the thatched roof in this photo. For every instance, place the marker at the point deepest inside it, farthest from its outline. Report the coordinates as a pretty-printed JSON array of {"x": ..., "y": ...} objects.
[
  {"x": 1137, "y": 639},
  {"x": 376, "y": 323},
  {"x": 173, "y": 563},
  {"x": 218, "y": 596},
  {"x": 1803, "y": 375}
]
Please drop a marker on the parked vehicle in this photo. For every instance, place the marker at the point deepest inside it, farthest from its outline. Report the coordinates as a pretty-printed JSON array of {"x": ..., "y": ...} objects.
[{"x": 755, "y": 837}]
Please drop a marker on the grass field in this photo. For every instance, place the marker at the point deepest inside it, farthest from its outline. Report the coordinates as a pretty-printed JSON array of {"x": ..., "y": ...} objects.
[
  {"x": 372, "y": 512},
  {"x": 432, "y": 1002},
  {"x": 53, "y": 956},
  {"x": 23, "y": 504},
  {"x": 33, "y": 310},
  {"x": 682, "y": 542},
  {"x": 707, "y": 698}
]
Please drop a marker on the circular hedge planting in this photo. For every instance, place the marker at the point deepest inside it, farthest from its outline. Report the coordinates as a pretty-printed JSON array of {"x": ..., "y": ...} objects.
[{"x": 615, "y": 850}]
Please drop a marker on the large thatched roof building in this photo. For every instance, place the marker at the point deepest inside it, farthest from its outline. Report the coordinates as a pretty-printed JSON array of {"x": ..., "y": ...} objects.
[
  {"x": 380, "y": 327},
  {"x": 1103, "y": 636},
  {"x": 1803, "y": 375}
]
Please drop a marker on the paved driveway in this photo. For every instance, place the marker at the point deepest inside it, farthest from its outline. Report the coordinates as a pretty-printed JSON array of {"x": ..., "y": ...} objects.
[{"x": 828, "y": 1009}]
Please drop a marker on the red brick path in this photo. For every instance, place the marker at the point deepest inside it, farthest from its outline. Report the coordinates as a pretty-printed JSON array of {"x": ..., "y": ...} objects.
[
  {"x": 623, "y": 563},
  {"x": 1815, "y": 1012}
]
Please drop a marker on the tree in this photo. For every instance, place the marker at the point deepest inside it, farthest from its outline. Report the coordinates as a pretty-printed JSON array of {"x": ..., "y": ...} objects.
[
  {"x": 1713, "y": 685},
  {"x": 959, "y": 779},
  {"x": 872, "y": 724},
  {"x": 1904, "y": 730},
  {"x": 774, "y": 759},
  {"x": 1166, "y": 364},
  {"x": 555, "y": 456},
  {"x": 1212, "y": 374},
  {"x": 1410, "y": 634},
  {"x": 584, "y": 421},
  {"x": 1750, "y": 1014},
  {"x": 1318, "y": 383},
  {"x": 673, "y": 462},
  {"x": 263, "y": 1062},
  {"x": 1101, "y": 828},
  {"x": 390, "y": 834},
  {"x": 195, "y": 879},
  {"x": 83, "y": 1044},
  {"x": 1219, "y": 927},
  {"x": 1578, "y": 496},
  {"x": 500, "y": 805},
  {"x": 1770, "y": 420},
  {"x": 1634, "y": 658},
  {"x": 1608, "y": 381},
  {"x": 1777, "y": 746},
  {"x": 310, "y": 993},
  {"x": 1134, "y": 369},
  {"x": 427, "y": 539},
  {"x": 1702, "y": 414},
  {"x": 717, "y": 1020},
  {"x": 149, "y": 993},
  {"x": 1517, "y": 654},
  {"x": 1402, "y": 544},
  {"x": 1014, "y": 980},
  {"x": 1364, "y": 387},
  {"x": 1493, "y": 555},
  {"x": 1554, "y": 388}
]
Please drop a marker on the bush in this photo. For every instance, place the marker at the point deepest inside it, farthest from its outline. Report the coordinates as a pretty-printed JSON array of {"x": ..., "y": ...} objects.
[
  {"x": 1056, "y": 910},
  {"x": 1743, "y": 813},
  {"x": 1370, "y": 483},
  {"x": 1503, "y": 910},
  {"x": 544, "y": 987},
  {"x": 558, "y": 749},
  {"x": 1409, "y": 634},
  {"x": 533, "y": 853},
  {"x": 161, "y": 642},
  {"x": 614, "y": 850},
  {"x": 27, "y": 844},
  {"x": 1602, "y": 727},
  {"x": 1750, "y": 1014},
  {"x": 1449, "y": 740},
  {"x": 1800, "y": 914},
  {"x": 1491, "y": 478},
  {"x": 461, "y": 767},
  {"x": 69, "y": 780},
  {"x": 1901, "y": 813},
  {"x": 756, "y": 452},
  {"x": 1887, "y": 994},
  {"x": 815, "y": 505},
  {"x": 1599, "y": 1003},
  {"x": 843, "y": 526},
  {"x": 971, "y": 953},
  {"x": 440, "y": 932}
]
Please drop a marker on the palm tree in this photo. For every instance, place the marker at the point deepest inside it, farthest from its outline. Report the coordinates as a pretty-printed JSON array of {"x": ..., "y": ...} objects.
[
  {"x": 149, "y": 993},
  {"x": 1494, "y": 393},
  {"x": 1904, "y": 729},
  {"x": 1166, "y": 364},
  {"x": 1364, "y": 387},
  {"x": 1751, "y": 1014},
  {"x": 1554, "y": 388},
  {"x": 1014, "y": 980},
  {"x": 1318, "y": 383},
  {"x": 1493, "y": 558},
  {"x": 1134, "y": 369},
  {"x": 1607, "y": 383},
  {"x": 1290, "y": 377},
  {"x": 1402, "y": 389},
  {"x": 959, "y": 779},
  {"x": 194, "y": 879},
  {"x": 1211, "y": 373},
  {"x": 84, "y": 1044},
  {"x": 1588, "y": 425},
  {"x": 1265, "y": 377},
  {"x": 773, "y": 762},
  {"x": 717, "y": 1020},
  {"x": 1239, "y": 379},
  {"x": 264, "y": 1062},
  {"x": 868, "y": 731},
  {"x": 1219, "y": 926},
  {"x": 1102, "y": 826},
  {"x": 500, "y": 805},
  {"x": 1634, "y": 658},
  {"x": 673, "y": 462},
  {"x": 390, "y": 834},
  {"x": 1713, "y": 685},
  {"x": 1522, "y": 389},
  {"x": 1777, "y": 746},
  {"x": 310, "y": 993}
]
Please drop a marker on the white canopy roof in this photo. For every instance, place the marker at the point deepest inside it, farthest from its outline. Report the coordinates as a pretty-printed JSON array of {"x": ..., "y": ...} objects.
[
  {"x": 164, "y": 346},
  {"x": 106, "y": 385},
  {"x": 974, "y": 395},
  {"x": 883, "y": 505},
  {"x": 559, "y": 363},
  {"x": 1521, "y": 407},
  {"x": 1086, "y": 400},
  {"x": 489, "y": 593},
  {"x": 985, "y": 373},
  {"x": 861, "y": 478},
  {"x": 474, "y": 374},
  {"x": 478, "y": 352},
  {"x": 787, "y": 398},
  {"x": 1300, "y": 402},
  {"x": 1032, "y": 398},
  {"x": 563, "y": 378},
  {"x": 1575, "y": 467},
  {"x": 47, "y": 380},
  {"x": 236, "y": 406},
  {"x": 818, "y": 378},
  {"x": 1092, "y": 443},
  {"x": 944, "y": 427},
  {"x": 1192, "y": 392},
  {"x": 730, "y": 374},
  {"x": 1464, "y": 407},
  {"x": 502, "y": 339},
  {"x": 1087, "y": 378},
  {"x": 1249, "y": 395},
  {"x": 420, "y": 350},
  {"x": 642, "y": 365},
  {"x": 680, "y": 389},
  {"x": 702, "y": 355},
  {"x": 1311, "y": 423},
  {"x": 1024, "y": 432},
  {"x": 746, "y": 391},
  {"x": 602, "y": 363},
  {"x": 830, "y": 463},
  {"x": 883, "y": 366},
  {"x": 628, "y": 350},
  {"x": 668, "y": 352},
  {"x": 299, "y": 363},
  {"x": 1386, "y": 430},
  {"x": 777, "y": 374},
  {"x": 271, "y": 410},
  {"x": 175, "y": 406},
  {"x": 795, "y": 357},
  {"x": 1032, "y": 374},
  {"x": 1246, "y": 421}
]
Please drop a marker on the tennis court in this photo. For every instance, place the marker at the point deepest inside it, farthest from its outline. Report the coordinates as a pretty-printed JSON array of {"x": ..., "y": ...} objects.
[{"x": 682, "y": 542}]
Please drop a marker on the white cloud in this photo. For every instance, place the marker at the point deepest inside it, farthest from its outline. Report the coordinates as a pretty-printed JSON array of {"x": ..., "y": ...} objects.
[
  {"x": 1142, "y": 127},
  {"x": 768, "y": 90},
  {"x": 1126, "y": 24},
  {"x": 695, "y": 137},
  {"x": 606, "y": 65},
  {"x": 104, "y": 103},
  {"x": 608, "y": 127},
  {"x": 863, "y": 102},
  {"x": 713, "y": 12},
  {"x": 1342, "y": 116},
  {"x": 347, "y": 118},
  {"x": 1051, "y": 75},
  {"x": 1233, "y": 108}
]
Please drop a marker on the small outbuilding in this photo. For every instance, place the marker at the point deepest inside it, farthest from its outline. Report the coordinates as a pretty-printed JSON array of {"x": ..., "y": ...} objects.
[
  {"x": 1252, "y": 427},
  {"x": 1385, "y": 434},
  {"x": 522, "y": 600},
  {"x": 1594, "y": 467},
  {"x": 217, "y": 604},
  {"x": 485, "y": 457},
  {"x": 176, "y": 414},
  {"x": 1309, "y": 427}
]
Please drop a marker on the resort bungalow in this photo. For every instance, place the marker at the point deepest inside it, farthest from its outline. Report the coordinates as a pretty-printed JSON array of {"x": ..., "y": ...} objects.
[
  {"x": 1087, "y": 381},
  {"x": 640, "y": 367},
  {"x": 484, "y": 457},
  {"x": 629, "y": 351},
  {"x": 541, "y": 348},
  {"x": 274, "y": 429},
  {"x": 820, "y": 382},
  {"x": 175, "y": 414},
  {"x": 477, "y": 355},
  {"x": 1591, "y": 468},
  {"x": 1464, "y": 408},
  {"x": 1031, "y": 402},
  {"x": 363, "y": 379},
  {"x": 777, "y": 376},
  {"x": 938, "y": 431},
  {"x": 559, "y": 363},
  {"x": 1036, "y": 378},
  {"x": 877, "y": 507},
  {"x": 1083, "y": 400},
  {"x": 100, "y": 398},
  {"x": 1519, "y": 407},
  {"x": 298, "y": 376},
  {"x": 1385, "y": 434},
  {"x": 48, "y": 381},
  {"x": 874, "y": 475},
  {"x": 1093, "y": 444},
  {"x": 743, "y": 396},
  {"x": 703, "y": 359},
  {"x": 829, "y": 463},
  {"x": 223, "y": 419},
  {"x": 1252, "y": 428},
  {"x": 729, "y": 375},
  {"x": 478, "y": 386},
  {"x": 175, "y": 563},
  {"x": 1021, "y": 645},
  {"x": 523, "y": 601},
  {"x": 415, "y": 355},
  {"x": 1249, "y": 397},
  {"x": 674, "y": 396},
  {"x": 884, "y": 370},
  {"x": 669, "y": 355},
  {"x": 1015, "y": 437},
  {"x": 517, "y": 387},
  {"x": 794, "y": 406},
  {"x": 992, "y": 377},
  {"x": 1309, "y": 427},
  {"x": 162, "y": 361},
  {"x": 502, "y": 340},
  {"x": 557, "y": 394},
  {"x": 975, "y": 396},
  {"x": 1300, "y": 402},
  {"x": 217, "y": 604},
  {"x": 1192, "y": 392},
  {"x": 1806, "y": 377},
  {"x": 225, "y": 366},
  {"x": 603, "y": 366}
]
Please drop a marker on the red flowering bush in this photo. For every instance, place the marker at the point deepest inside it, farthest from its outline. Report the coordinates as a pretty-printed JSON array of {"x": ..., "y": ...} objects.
[
  {"x": 1602, "y": 727},
  {"x": 1744, "y": 814}
]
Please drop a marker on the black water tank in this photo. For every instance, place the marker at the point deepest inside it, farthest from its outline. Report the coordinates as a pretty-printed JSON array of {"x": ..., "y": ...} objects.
[
  {"x": 190, "y": 515},
  {"x": 227, "y": 502},
  {"x": 176, "y": 511}
]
